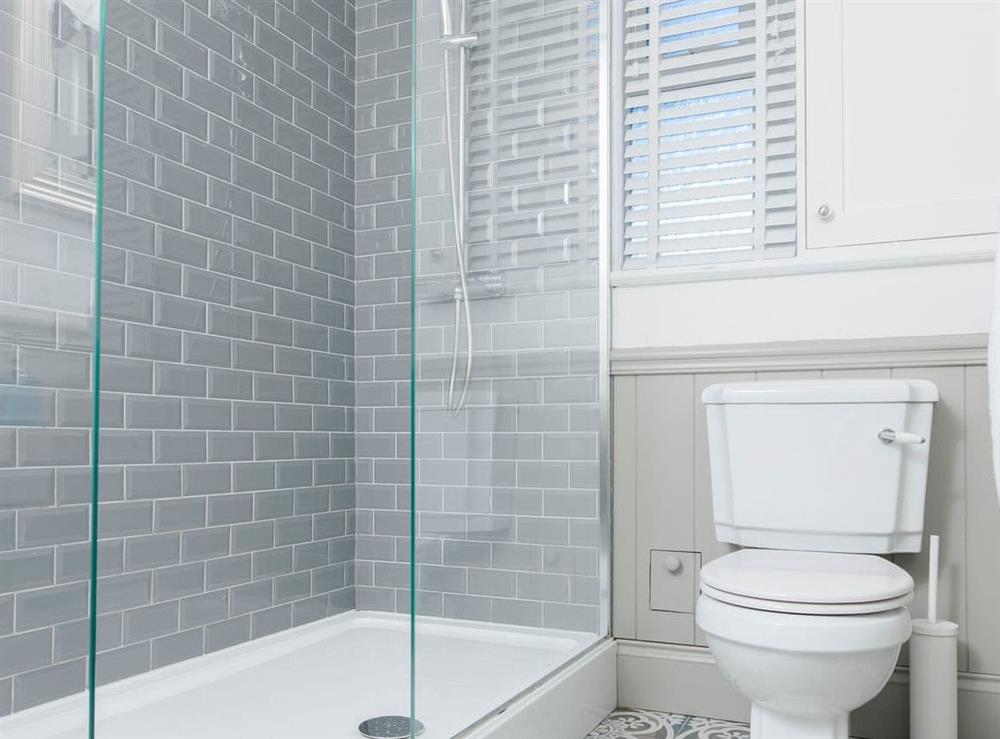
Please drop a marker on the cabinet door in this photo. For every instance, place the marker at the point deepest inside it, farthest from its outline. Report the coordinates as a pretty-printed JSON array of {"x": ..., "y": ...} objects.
[{"x": 902, "y": 120}]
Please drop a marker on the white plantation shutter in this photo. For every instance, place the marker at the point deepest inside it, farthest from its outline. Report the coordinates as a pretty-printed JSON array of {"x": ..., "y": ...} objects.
[{"x": 709, "y": 125}]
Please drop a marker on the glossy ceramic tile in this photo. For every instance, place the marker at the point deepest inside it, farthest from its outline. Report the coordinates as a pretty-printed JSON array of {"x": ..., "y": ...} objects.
[{"x": 627, "y": 723}]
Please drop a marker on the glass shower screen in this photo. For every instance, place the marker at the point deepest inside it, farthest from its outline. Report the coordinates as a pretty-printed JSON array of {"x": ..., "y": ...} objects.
[
  {"x": 508, "y": 414},
  {"x": 51, "y": 82}
]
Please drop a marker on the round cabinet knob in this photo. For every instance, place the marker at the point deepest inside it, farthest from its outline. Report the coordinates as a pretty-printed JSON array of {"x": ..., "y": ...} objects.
[
  {"x": 825, "y": 212},
  {"x": 672, "y": 562}
]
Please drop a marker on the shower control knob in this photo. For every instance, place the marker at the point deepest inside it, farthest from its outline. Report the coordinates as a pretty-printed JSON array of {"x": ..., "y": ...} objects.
[
  {"x": 672, "y": 563},
  {"x": 825, "y": 212}
]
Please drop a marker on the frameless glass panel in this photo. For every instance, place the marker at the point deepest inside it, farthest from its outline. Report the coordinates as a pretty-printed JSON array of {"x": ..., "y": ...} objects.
[
  {"x": 227, "y": 522},
  {"x": 509, "y": 568},
  {"x": 50, "y": 201}
]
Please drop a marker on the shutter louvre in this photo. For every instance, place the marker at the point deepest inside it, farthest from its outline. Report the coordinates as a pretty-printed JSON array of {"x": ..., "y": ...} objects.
[{"x": 709, "y": 131}]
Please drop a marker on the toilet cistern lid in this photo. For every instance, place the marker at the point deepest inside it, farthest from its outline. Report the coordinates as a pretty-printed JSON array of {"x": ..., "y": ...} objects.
[
  {"x": 821, "y": 391},
  {"x": 807, "y": 577}
]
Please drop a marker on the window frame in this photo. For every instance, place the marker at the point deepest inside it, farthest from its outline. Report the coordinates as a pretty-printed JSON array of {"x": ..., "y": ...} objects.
[{"x": 806, "y": 260}]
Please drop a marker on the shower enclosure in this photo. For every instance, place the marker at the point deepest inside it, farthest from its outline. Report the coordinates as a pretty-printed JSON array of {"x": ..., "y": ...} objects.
[{"x": 303, "y": 373}]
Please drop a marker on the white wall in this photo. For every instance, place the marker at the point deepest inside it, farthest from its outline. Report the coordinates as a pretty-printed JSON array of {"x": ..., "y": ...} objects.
[
  {"x": 897, "y": 147},
  {"x": 873, "y": 303}
]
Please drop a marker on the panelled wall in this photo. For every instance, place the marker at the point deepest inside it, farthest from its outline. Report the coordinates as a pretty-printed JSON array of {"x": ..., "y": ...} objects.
[
  {"x": 227, "y": 370},
  {"x": 663, "y": 499}
]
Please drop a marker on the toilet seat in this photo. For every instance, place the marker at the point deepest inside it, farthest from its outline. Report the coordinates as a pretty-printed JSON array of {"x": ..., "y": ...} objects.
[
  {"x": 808, "y": 583},
  {"x": 808, "y": 609}
]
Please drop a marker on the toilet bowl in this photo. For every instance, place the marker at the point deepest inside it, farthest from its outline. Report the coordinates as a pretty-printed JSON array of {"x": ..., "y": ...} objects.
[{"x": 806, "y": 636}]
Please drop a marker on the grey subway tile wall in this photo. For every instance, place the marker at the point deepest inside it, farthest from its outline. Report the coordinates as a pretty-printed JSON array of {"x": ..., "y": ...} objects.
[
  {"x": 227, "y": 450},
  {"x": 507, "y": 488},
  {"x": 256, "y": 335}
]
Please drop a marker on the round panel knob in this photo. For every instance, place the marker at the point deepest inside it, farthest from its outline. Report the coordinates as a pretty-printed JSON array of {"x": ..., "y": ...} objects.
[
  {"x": 672, "y": 562},
  {"x": 825, "y": 212}
]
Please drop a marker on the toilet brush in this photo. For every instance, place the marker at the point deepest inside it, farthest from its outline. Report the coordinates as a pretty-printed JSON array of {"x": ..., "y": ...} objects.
[{"x": 933, "y": 667}]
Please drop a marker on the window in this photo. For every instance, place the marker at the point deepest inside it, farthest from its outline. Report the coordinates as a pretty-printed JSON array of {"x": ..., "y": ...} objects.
[{"x": 709, "y": 131}]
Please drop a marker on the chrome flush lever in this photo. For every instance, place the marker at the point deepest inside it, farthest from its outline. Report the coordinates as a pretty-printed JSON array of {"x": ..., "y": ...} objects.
[{"x": 888, "y": 436}]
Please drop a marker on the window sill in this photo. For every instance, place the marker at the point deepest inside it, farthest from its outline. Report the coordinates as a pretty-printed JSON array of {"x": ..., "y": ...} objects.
[{"x": 960, "y": 250}]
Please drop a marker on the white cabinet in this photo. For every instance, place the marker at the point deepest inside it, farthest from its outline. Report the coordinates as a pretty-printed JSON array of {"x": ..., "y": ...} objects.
[{"x": 902, "y": 120}]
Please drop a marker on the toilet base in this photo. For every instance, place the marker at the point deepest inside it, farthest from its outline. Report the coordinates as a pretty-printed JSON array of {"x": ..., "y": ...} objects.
[{"x": 767, "y": 723}]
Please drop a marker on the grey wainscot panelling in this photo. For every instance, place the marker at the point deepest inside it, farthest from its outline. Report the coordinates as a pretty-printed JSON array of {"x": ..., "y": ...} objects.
[
  {"x": 663, "y": 504},
  {"x": 227, "y": 477}
]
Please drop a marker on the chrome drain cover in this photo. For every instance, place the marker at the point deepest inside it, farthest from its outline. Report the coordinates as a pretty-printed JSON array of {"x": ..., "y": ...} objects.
[{"x": 389, "y": 727}]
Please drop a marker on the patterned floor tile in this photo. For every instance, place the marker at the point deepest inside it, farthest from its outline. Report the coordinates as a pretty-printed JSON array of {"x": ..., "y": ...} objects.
[{"x": 626, "y": 723}]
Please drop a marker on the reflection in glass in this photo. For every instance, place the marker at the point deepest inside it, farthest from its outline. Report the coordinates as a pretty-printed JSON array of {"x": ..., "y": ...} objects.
[{"x": 50, "y": 67}]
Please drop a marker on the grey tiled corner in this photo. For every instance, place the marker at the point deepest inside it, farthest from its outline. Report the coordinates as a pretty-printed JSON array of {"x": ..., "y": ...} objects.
[
  {"x": 228, "y": 264},
  {"x": 256, "y": 335}
]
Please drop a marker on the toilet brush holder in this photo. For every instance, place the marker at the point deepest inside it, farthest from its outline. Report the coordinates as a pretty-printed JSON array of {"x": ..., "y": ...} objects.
[
  {"x": 933, "y": 665},
  {"x": 934, "y": 680}
]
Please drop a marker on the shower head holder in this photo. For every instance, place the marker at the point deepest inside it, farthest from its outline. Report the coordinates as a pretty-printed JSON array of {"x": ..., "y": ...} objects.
[{"x": 463, "y": 41}]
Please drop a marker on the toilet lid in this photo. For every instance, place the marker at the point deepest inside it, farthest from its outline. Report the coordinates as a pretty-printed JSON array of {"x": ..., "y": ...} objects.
[{"x": 807, "y": 582}]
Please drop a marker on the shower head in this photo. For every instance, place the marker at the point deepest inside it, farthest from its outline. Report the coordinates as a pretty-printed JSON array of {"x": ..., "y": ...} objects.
[{"x": 446, "y": 27}]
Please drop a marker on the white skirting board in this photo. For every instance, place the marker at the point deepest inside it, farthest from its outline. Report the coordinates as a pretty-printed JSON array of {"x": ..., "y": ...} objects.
[
  {"x": 677, "y": 679},
  {"x": 683, "y": 679},
  {"x": 566, "y": 706}
]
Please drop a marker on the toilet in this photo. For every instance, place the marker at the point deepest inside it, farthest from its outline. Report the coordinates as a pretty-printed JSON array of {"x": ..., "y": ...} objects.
[{"x": 813, "y": 479}]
